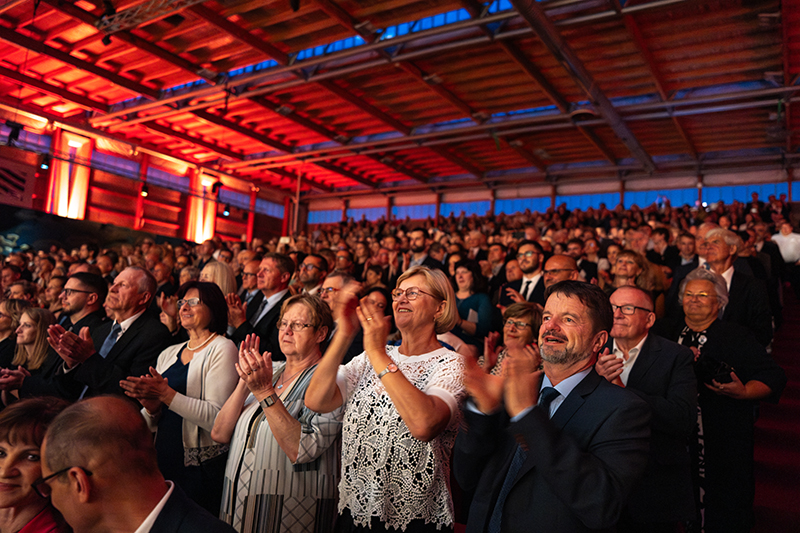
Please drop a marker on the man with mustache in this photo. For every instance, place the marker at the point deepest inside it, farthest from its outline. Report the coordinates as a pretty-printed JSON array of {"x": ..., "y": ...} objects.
[{"x": 558, "y": 450}]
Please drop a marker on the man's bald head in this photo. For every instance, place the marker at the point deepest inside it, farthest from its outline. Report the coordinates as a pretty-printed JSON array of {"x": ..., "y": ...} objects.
[
  {"x": 560, "y": 268},
  {"x": 100, "y": 431}
]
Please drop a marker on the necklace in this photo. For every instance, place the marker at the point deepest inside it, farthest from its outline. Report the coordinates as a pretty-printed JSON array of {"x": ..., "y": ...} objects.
[
  {"x": 283, "y": 381},
  {"x": 203, "y": 344}
]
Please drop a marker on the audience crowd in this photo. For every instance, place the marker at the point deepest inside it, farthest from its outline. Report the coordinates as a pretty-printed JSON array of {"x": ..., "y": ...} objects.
[{"x": 584, "y": 370}]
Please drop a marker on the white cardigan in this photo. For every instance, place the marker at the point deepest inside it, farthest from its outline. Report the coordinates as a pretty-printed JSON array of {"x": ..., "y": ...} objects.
[{"x": 210, "y": 381}]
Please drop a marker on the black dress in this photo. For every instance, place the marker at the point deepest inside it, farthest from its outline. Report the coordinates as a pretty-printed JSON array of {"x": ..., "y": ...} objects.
[{"x": 203, "y": 482}]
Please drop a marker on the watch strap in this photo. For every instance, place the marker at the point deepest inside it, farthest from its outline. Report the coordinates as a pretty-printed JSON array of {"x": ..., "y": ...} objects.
[
  {"x": 391, "y": 367},
  {"x": 269, "y": 401}
]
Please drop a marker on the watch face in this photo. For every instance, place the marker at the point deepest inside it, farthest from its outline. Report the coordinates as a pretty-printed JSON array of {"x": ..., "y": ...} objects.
[{"x": 391, "y": 367}]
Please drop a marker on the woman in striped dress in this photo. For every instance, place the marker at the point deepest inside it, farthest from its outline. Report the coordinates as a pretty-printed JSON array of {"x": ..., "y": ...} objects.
[{"x": 283, "y": 466}]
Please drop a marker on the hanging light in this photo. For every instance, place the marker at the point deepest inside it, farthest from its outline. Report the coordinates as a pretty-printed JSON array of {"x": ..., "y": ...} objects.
[
  {"x": 227, "y": 210},
  {"x": 145, "y": 191}
]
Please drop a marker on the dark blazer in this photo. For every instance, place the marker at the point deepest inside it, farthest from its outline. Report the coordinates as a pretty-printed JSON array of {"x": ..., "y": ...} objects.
[
  {"x": 663, "y": 376},
  {"x": 671, "y": 304},
  {"x": 748, "y": 306},
  {"x": 580, "y": 467},
  {"x": 132, "y": 355},
  {"x": 182, "y": 515},
  {"x": 588, "y": 269},
  {"x": 537, "y": 295},
  {"x": 266, "y": 328}
]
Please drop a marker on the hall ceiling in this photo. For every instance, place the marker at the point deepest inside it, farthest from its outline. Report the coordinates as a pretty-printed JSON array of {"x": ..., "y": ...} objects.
[{"x": 349, "y": 96}]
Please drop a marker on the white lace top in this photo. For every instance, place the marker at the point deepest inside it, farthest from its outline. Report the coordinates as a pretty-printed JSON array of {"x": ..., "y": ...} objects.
[{"x": 386, "y": 472}]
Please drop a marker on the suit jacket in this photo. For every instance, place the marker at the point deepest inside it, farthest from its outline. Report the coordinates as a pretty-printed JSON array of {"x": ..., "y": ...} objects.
[
  {"x": 537, "y": 295},
  {"x": 266, "y": 328},
  {"x": 132, "y": 355},
  {"x": 580, "y": 467},
  {"x": 663, "y": 376},
  {"x": 182, "y": 515},
  {"x": 748, "y": 306},
  {"x": 588, "y": 269}
]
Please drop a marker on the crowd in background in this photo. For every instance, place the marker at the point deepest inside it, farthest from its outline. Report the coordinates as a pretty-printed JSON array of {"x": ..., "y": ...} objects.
[{"x": 209, "y": 313}]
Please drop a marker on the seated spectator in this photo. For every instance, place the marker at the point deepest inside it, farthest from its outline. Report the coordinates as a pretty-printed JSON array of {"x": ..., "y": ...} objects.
[
  {"x": 221, "y": 274},
  {"x": 31, "y": 356},
  {"x": 23, "y": 290},
  {"x": 183, "y": 394},
  {"x": 271, "y": 429},
  {"x": 50, "y": 297},
  {"x": 22, "y": 429},
  {"x": 10, "y": 315},
  {"x": 521, "y": 323},
  {"x": 100, "y": 471}
]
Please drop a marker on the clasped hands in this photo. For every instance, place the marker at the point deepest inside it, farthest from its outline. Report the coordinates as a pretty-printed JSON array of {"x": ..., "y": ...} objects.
[
  {"x": 11, "y": 379},
  {"x": 73, "y": 349},
  {"x": 151, "y": 390},
  {"x": 517, "y": 387}
]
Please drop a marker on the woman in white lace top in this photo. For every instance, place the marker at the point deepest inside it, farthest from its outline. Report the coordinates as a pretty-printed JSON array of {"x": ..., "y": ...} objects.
[{"x": 401, "y": 407}]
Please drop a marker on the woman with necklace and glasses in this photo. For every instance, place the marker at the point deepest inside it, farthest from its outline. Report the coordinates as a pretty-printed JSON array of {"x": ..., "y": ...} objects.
[
  {"x": 521, "y": 323},
  {"x": 401, "y": 407},
  {"x": 24, "y": 506},
  {"x": 284, "y": 460},
  {"x": 183, "y": 394}
]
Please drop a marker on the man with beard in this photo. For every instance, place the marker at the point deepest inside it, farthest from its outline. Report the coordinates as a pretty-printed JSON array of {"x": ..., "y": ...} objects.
[
  {"x": 311, "y": 273},
  {"x": 418, "y": 244},
  {"x": 557, "y": 451},
  {"x": 531, "y": 287}
]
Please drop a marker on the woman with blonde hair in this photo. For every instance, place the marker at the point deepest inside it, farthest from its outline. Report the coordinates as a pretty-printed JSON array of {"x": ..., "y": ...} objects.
[
  {"x": 31, "y": 356},
  {"x": 401, "y": 406},
  {"x": 10, "y": 313},
  {"x": 221, "y": 274}
]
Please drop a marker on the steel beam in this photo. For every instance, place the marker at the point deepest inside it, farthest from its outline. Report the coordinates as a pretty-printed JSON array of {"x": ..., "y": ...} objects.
[
  {"x": 58, "y": 92},
  {"x": 224, "y": 152},
  {"x": 550, "y": 37}
]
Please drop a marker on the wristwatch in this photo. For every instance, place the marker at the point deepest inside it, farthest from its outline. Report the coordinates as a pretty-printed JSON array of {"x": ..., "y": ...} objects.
[
  {"x": 391, "y": 367},
  {"x": 269, "y": 401}
]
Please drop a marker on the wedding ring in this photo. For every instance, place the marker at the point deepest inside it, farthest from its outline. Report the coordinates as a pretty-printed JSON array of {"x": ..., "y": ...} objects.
[
  {"x": 249, "y": 372},
  {"x": 369, "y": 318}
]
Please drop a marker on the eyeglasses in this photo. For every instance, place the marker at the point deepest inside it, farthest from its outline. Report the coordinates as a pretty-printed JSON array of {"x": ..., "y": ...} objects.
[
  {"x": 70, "y": 292},
  {"x": 309, "y": 266},
  {"x": 629, "y": 309},
  {"x": 295, "y": 326},
  {"x": 516, "y": 324},
  {"x": 698, "y": 295},
  {"x": 249, "y": 275},
  {"x": 43, "y": 489},
  {"x": 329, "y": 289},
  {"x": 193, "y": 302},
  {"x": 412, "y": 293},
  {"x": 529, "y": 253}
]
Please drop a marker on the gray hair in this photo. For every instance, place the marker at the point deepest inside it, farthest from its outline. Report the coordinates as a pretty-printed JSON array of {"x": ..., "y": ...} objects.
[
  {"x": 720, "y": 286},
  {"x": 730, "y": 238}
]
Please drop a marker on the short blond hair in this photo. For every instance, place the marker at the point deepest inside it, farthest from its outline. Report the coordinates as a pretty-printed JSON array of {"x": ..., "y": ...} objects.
[{"x": 441, "y": 288}]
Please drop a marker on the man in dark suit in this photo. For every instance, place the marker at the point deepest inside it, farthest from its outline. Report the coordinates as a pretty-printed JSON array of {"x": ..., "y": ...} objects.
[
  {"x": 260, "y": 316},
  {"x": 688, "y": 260},
  {"x": 101, "y": 472},
  {"x": 748, "y": 302},
  {"x": 587, "y": 269},
  {"x": 417, "y": 255},
  {"x": 660, "y": 372},
  {"x": 564, "y": 452},
  {"x": 530, "y": 288},
  {"x": 131, "y": 342}
]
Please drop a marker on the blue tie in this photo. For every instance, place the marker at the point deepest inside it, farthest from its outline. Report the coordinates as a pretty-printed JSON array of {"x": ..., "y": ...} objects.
[
  {"x": 110, "y": 341},
  {"x": 546, "y": 397}
]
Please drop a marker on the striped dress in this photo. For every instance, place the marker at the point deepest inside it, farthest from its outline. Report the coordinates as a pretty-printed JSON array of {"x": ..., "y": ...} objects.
[{"x": 263, "y": 491}]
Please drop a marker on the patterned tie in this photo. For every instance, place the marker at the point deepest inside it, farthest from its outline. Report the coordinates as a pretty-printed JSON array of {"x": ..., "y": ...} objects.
[
  {"x": 110, "y": 341},
  {"x": 546, "y": 397}
]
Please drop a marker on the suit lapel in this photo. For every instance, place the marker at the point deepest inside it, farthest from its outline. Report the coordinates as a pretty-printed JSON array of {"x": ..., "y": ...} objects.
[
  {"x": 576, "y": 399},
  {"x": 126, "y": 337},
  {"x": 644, "y": 360}
]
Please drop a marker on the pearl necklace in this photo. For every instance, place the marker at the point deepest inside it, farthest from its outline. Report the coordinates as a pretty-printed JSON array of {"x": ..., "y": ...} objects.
[{"x": 203, "y": 344}]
